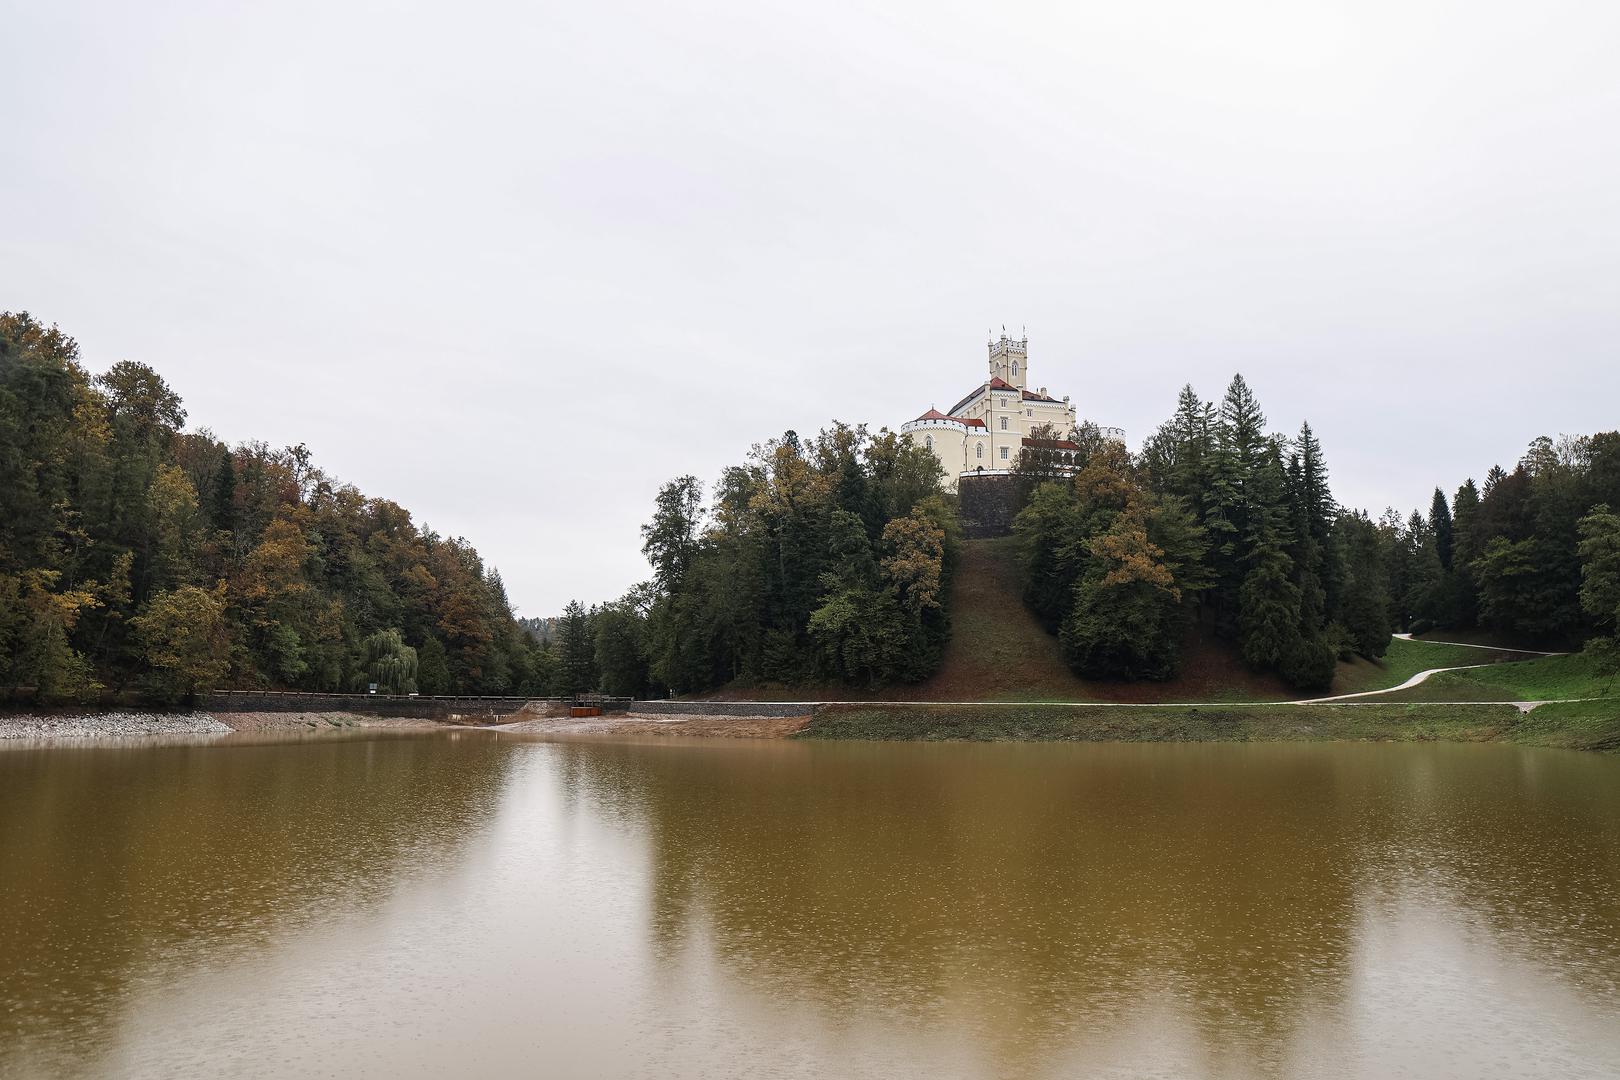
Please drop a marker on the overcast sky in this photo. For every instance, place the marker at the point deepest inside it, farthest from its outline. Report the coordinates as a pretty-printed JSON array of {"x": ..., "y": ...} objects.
[{"x": 513, "y": 265}]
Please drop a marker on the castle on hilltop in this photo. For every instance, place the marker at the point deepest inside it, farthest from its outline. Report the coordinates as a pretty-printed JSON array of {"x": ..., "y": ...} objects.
[{"x": 984, "y": 433}]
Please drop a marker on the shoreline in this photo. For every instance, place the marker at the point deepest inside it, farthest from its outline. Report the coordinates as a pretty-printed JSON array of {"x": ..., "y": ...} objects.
[
  {"x": 1575, "y": 725},
  {"x": 89, "y": 725},
  {"x": 1592, "y": 726}
]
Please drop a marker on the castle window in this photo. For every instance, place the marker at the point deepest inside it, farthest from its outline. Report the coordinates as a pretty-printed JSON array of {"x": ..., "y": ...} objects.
[
  {"x": 1004, "y": 428},
  {"x": 1003, "y": 453},
  {"x": 1015, "y": 369},
  {"x": 929, "y": 440},
  {"x": 980, "y": 449}
]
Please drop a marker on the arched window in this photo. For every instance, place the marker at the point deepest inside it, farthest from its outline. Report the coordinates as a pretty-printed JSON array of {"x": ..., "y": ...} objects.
[
  {"x": 980, "y": 449},
  {"x": 1015, "y": 369},
  {"x": 929, "y": 439}
]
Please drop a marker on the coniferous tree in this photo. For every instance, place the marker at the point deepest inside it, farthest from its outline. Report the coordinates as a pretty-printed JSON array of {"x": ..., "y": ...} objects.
[
  {"x": 576, "y": 650},
  {"x": 1364, "y": 608},
  {"x": 224, "y": 496},
  {"x": 1440, "y": 525}
]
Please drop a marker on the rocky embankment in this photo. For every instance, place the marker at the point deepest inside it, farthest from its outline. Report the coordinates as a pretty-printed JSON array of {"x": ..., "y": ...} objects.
[
  {"x": 128, "y": 725},
  {"x": 109, "y": 725}
]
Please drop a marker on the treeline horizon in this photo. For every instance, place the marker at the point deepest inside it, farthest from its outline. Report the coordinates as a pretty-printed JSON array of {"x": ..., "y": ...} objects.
[
  {"x": 822, "y": 560},
  {"x": 1221, "y": 525},
  {"x": 1216, "y": 525},
  {"x": 138, "y": 557}
]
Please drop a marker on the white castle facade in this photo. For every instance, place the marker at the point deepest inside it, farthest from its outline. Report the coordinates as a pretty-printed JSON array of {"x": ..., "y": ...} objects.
[{"x": 985, "y": 432}]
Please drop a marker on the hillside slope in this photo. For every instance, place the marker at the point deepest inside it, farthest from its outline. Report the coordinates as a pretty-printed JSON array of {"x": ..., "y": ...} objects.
[{"x": 999, "y": 652}]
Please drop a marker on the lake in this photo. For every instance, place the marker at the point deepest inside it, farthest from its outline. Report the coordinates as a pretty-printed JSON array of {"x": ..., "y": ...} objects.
[{"x": 470, "y": 903}]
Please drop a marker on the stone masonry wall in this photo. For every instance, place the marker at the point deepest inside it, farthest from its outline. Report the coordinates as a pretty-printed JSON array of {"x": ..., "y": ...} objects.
[
  {"x": 986, "y": 505},
  {"x": 425, "y": 707}
]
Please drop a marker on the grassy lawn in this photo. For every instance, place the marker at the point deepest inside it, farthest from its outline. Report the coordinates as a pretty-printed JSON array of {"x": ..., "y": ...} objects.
[
  {"x": 1544, "y": 678},
  {"x": 1406, "y": 658},
  {"x": 1573, "y": 727}
]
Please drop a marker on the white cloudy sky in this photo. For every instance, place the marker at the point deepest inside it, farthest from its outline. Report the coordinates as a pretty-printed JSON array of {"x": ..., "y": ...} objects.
[{"x": 513, "y": 265}]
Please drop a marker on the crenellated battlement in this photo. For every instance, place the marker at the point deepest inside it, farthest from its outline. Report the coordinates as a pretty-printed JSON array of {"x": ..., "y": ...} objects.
[
  {"x": 984, "y": 433},
  {"x": 1009, "y": 359}
]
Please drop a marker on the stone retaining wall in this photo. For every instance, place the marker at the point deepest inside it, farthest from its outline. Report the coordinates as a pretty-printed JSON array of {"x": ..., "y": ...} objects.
[
  {"x": 422, "y": 706},
  {"x": 986, "y": 505}
]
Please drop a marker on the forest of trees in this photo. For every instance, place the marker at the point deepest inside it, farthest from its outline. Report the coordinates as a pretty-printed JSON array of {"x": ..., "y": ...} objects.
[
  {"x": 135, "y": 557},
  {"x": 1525, "y": 554},
  {"x": 826, "y": 560},
  {"x": 1215, "y": 521},
  {"x": 1219, "y": 523}
]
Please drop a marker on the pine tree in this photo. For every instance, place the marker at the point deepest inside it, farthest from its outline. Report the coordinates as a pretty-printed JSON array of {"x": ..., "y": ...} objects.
[
  {"x": 1176, "y": 456},
  {"x": 1320, "y": 512},
  {"x": 1465, "y": 545},
  {"x": 1363, "y": 611},
  {"x": 1425, "y": 578},
  {"x": 1440, "y": 525},
  {"x": 1230, "y": 505},
  {"x": 1269, "y": 600},
  {"x": 577, "y": 650},
  {"x": 1268, "y": 616},
  {"x": 224, "y": 495}
]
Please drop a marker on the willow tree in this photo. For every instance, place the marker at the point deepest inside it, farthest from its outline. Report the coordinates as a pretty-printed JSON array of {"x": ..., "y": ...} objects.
[{"x": 390, "y": 662}]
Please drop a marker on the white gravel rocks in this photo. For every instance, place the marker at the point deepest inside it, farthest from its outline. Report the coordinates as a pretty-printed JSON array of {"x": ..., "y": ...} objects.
[{"x": 109, "y": 725}]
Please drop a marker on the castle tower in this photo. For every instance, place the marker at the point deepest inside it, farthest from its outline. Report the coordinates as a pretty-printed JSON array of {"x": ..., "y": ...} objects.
[{"x": 1009, "y": 360}]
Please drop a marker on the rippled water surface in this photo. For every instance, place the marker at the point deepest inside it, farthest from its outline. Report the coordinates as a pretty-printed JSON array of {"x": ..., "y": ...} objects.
[{"x": 472, "y": 904}]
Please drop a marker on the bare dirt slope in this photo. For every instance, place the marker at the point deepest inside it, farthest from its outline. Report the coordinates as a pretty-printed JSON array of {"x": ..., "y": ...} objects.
[{"x": 1000, "y": 651}]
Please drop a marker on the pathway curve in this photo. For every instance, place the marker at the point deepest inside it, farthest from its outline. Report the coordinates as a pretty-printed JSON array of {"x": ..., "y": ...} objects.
[
  {"x": 1423, "y": 676},
  {"x": 1419, "y": 678},
  {"x": 1349, "y": 699}
]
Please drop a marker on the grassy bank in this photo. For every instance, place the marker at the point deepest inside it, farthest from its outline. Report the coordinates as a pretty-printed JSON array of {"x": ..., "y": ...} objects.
[
  {"x": 1406, "y": 658},
  {"x": 1544, "y": 678},
  {"x": 1577, "y": 726}
]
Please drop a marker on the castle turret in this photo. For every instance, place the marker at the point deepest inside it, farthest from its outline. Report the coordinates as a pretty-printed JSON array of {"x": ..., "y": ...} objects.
[{"x": 1009, "y": 360}]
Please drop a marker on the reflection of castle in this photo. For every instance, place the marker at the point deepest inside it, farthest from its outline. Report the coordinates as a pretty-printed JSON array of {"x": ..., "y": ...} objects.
[{"x": 984, "y": 432}]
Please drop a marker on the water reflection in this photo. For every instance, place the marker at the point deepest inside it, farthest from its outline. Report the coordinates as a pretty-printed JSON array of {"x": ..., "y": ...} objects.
[
  {"x": 482, "y": 905},
  {"x": 1043, "y": 896},
  {"x": 122, "y": 867}
]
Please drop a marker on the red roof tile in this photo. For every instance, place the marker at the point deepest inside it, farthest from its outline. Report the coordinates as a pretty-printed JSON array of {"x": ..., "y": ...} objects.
[{"x": 935, "y": 414}]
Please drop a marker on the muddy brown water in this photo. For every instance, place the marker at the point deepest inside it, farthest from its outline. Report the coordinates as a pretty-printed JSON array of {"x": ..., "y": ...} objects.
[{"x": 474, "y": 904}]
